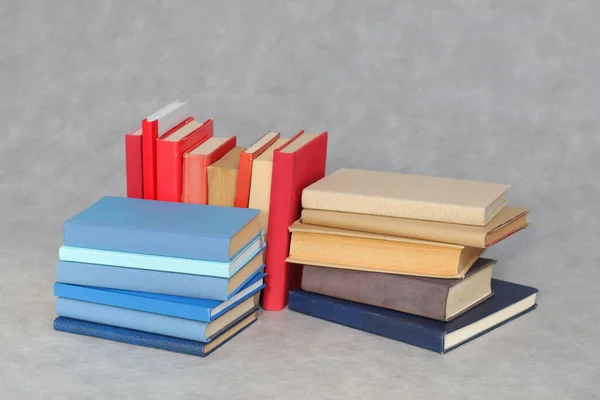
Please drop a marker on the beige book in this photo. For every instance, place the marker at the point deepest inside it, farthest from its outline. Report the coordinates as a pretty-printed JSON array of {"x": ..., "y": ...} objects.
[
  {"x": 222, "y": 178},
  {"x": 398, "y": 195},
  {"x": 504, "y": 224},
  {"x": 260, "y": 183},
  {"x": 339, "y": 248}
]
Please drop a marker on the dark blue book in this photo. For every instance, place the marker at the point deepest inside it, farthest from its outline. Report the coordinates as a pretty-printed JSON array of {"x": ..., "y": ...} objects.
[
  {"x": 152, "y": 340},
  {"x": 510, "y": 301},
  {"x": 162, "y": 228},
  {"x": 175, "y": 306}
]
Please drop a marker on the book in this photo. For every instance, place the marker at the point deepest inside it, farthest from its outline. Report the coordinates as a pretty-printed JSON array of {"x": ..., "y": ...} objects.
[
  {"x": 398, "y": 195},
  {"x": 195, "y": 167},
  {"x": 242, "y": 190},
  {"x": 159, "y": 282},
  {"x": 166, "y": 264},
  {"x": 165, "y": 120},
  {"x": 162, "y": 228},
  {"x": 507, "y": 222},
  {"x": 154, "y": 323},
  {"x": 151, "y": 340},
  {"x": 510, "y": 301},
  {"x": 174, "y": 306},
  {"x": 298, "y": 164},
  {"x": 440, "y": 299},
  {"x": 339, "y": 248},
  {"x": 169, "y": 157},
  {"x": 222, "y": 178},
  {"x": 260, "y": 183},
  {"x": 134, "y": 177}
]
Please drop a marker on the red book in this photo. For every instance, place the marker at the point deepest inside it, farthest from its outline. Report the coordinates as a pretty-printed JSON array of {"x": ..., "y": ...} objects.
[
  {"x": 195, "y": 167},
  {"x": 242, "y": 191},
  {"x": 300, "y": 163},
  {"x": 161, "y": 122},
  {"x": 169, "y": 157},
  {"x": 133, "y": 164}
]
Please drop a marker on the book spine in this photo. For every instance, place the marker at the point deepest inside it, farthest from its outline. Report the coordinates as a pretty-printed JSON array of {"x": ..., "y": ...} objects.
[
  {"x": 104, "y": 276},
  {"x": 353, "y": 317},
  {"x": 242, "y": 192},
  {"x": 134, "y": 166},
  {"x": 167, "y": 161},
  {"x": 149, "y": 135}
]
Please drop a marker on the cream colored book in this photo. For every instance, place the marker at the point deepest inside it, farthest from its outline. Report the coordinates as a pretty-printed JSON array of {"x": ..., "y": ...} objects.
[
  {"x": 222, "y": 178},
  {"x": 260, "y": 183},
  {"x": 398, "y": 195},
  {"x": 508, "y": 221},
  {"x": 339, "y": 248}
]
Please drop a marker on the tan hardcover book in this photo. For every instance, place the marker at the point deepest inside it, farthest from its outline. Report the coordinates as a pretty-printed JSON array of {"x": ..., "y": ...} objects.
[
  {"x": 222, "y": 178},
  {"x": 419, "y": 197},
  {"x": 260, "y": 183},
  {"x": 504, "y": 224},
  {"x": 441, "y": 299},
  {"x": 339, "y": 248}
]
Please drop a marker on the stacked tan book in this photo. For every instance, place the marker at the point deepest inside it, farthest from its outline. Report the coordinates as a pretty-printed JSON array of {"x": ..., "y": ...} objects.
[{"x": 409, "y": 243}]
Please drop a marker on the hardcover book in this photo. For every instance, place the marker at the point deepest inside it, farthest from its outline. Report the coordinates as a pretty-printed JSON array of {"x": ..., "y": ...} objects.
[
  {"x": 407, "y": 196},
  {"x": 169, "y": 157},
  {"x": 151, "y": 340},
  {"x": 295, "y": 166},
  {"x": 242, "y": 191},
  {"x": 175, "y": 306},
  {"x": 154, "y": 323},
  {"x": 166, "y": 264},
  {"x": 162, "y": 228},
  {"x": 222, "y": 178},
  {"x": 440, "y": 299},
  {"x": 195, "y": 167},
  {"x": 338, "y": 248},
  {"x": 510, "y": 301},
  {"x": 508, "y": 221},
  {"x": 133, "y": 164}
]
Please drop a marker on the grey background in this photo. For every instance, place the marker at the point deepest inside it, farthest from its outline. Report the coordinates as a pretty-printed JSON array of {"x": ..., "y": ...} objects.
[{"x": 503, "y": 91}]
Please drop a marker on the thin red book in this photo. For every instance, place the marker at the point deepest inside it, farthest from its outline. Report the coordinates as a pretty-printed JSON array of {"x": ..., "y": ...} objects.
[
  {"x": 162, "y": 122},
  {"x": 242, "y": 191},
  {"x": 300, "y": 163},
  {"x": 195, "y": 167},
  {"x": 169, "y": 157},
  {"x": 134, "y": 177}
]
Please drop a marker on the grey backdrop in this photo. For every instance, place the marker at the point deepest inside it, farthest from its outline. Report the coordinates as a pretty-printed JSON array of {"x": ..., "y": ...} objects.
[{"x": 504, "y": 91}]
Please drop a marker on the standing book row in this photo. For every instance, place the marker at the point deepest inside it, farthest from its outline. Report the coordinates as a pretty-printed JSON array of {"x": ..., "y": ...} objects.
[
  {"x": 178, "y": 277},
  {"x": 400, "y": 256}
]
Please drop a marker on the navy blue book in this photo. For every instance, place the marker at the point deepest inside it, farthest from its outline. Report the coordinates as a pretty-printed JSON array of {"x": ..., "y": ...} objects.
[
  {"x": 190, "y": 308},
  {"x": 152, "y": 340},
  {"x": 510, "y": 301},
  {"x": 163, "y": 228}
]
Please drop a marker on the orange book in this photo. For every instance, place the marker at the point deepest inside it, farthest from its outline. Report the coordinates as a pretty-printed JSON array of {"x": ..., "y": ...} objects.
[
  {"x": 195, "y": 167},
  {"x": 242, "y": 194}
]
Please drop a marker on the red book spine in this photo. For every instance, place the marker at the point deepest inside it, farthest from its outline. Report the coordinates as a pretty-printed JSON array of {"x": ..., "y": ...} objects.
[
  {"x": 242, "y": 191},
  {"x": 169, "y": 161},
  {"x": 292, "y": 172},
  {"x": 133, "y": 165}
]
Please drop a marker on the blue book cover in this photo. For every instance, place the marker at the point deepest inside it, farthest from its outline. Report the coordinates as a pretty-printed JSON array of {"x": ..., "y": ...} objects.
[
  {"x": 162, "y": 228},
  {"x": 174, "y": 306},
  {"x": 153, "y": 323},
  {"x": 166, "y": 264},
  {"x": 140, "y": 280},
  {"x": 152, "y": 340},
  {"x": 510, "y": 301}
]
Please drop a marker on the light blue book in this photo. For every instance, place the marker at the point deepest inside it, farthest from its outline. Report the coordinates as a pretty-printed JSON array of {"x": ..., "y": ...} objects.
[
  {"x": 152, "y": 323},
  {"x": 161, "y": 263},
  {"x": 163, "y": 228}
]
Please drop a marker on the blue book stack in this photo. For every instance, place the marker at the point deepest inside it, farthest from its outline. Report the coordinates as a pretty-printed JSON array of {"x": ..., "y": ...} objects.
[{"x": 173, "y": 276}]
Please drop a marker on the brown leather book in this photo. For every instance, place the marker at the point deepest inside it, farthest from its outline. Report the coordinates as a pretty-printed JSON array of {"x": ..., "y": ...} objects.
[{"x": 440, "y": 299}]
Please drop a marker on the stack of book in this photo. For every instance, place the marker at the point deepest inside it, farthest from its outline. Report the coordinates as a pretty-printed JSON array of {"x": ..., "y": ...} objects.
[
  {"x": 175, "y": 158},
  {"x": 400, "y": 256},
  {"x": 173, "y": 276}
]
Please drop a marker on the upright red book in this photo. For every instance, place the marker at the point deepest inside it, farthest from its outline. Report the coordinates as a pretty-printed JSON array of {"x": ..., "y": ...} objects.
[
  {"x": 161, "y": 122},
  {"x": 300, "y": 163},
  {"x": 133, "y": 164},
  {"x": 169, "y": 157}
]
